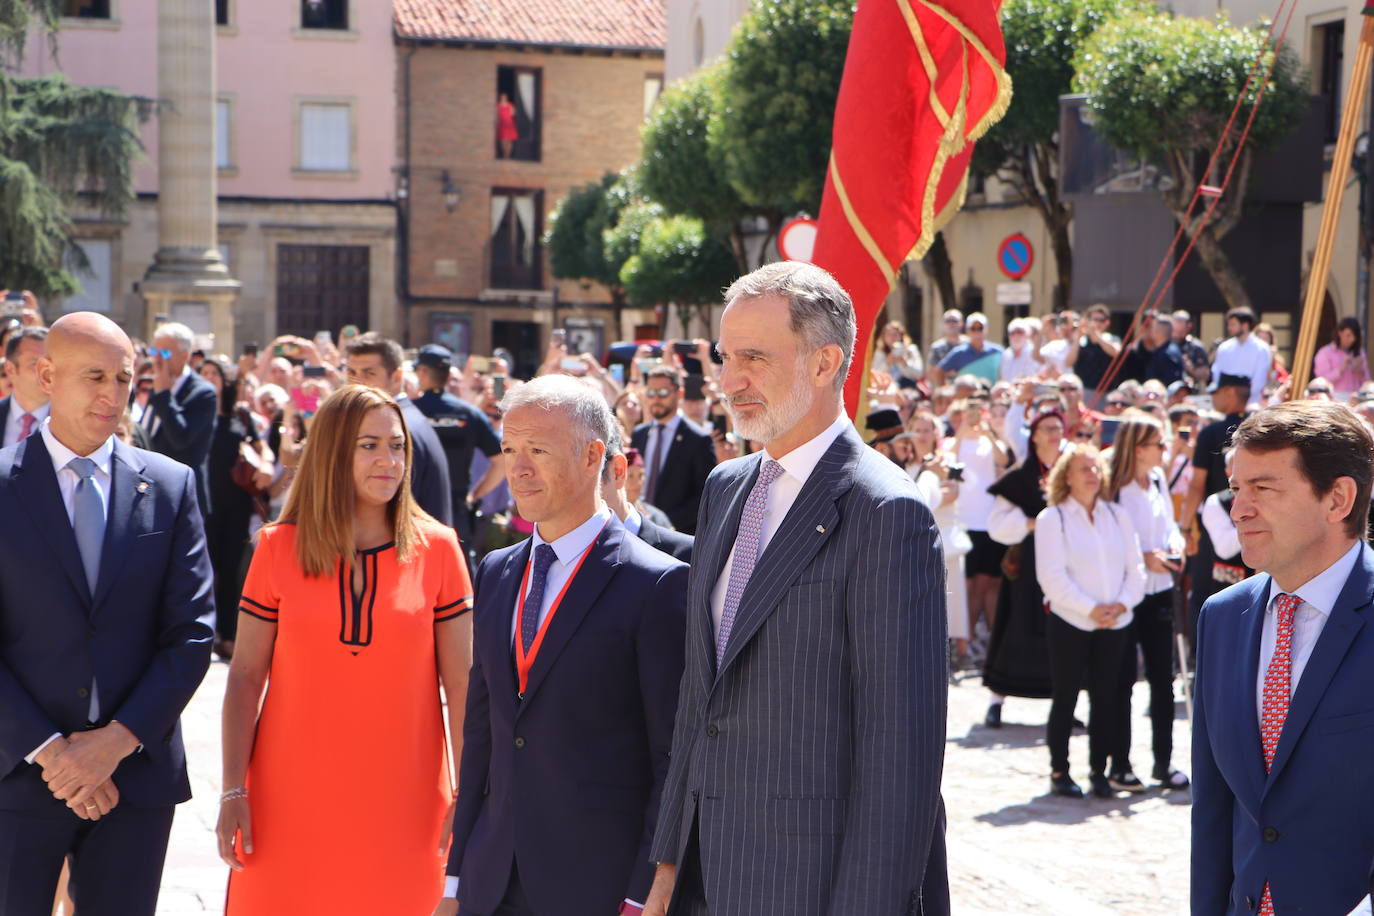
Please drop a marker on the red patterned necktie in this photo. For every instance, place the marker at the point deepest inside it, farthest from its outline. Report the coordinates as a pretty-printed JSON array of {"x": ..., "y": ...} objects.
[
  {"x": 25, "y": 426},
  {"x": 1274, "y": 709}
]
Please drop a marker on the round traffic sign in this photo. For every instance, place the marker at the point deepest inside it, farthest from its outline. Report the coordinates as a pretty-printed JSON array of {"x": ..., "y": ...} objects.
[
  {"x": 797, "y": 239},
  {"x": 1015, "y": 256}
]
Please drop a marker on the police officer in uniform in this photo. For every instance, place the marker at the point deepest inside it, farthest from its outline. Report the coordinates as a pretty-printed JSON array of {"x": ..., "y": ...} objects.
[{"x": 462, "y": 430}]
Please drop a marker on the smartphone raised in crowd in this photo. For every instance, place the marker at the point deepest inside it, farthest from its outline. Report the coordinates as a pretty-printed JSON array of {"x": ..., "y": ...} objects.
[
  {"x": 498, "y": 386},
  {"x": 313, "y": 371},
  {"x": 250, "y": 349},
  {"x": 480, "y": 364},
  {"x": 720, "y": 423},
  {"x": 557, "y": 337},
  {"x": 617, "y": 371}
]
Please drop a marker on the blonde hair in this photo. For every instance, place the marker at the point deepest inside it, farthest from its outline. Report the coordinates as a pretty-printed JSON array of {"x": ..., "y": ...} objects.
[
  {"x": 1057, "y": 484},
  {"x": 1131, "y": 434},
  {"x": 320, "y": 502}
]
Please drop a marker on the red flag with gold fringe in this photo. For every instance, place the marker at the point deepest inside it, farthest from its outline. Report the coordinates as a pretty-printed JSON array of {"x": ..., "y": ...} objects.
[{"x": 922, "y": 81}]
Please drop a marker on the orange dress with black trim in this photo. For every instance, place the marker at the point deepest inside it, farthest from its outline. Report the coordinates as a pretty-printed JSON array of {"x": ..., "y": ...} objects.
[{"x": 349, "y": 780}]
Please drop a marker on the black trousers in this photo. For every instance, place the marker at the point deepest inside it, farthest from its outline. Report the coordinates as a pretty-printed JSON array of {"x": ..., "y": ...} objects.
[
  {"x": 1080, "y": 657},
  {"x": 116, "y": 861},
  {"x": 226, "y": 539},
  {"x": 1152, "y": 630}
]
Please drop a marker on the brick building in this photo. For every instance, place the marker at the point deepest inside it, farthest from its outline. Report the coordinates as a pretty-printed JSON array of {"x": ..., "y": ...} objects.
[{"x": 580, "y": 76}]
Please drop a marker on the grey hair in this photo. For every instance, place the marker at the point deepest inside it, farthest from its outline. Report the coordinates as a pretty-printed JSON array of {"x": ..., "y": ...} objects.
[
  {"x": 585, "y": 408},
  {"x": 178, "y": 332},
  {"x": 821, "y": 311}
]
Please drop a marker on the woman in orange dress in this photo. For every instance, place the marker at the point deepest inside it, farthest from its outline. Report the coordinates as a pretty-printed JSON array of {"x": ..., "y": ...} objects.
[{"x": 337, "y": 794}]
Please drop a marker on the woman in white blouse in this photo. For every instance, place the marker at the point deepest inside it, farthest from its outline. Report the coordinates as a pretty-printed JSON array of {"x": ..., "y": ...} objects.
[
  {"x": 1136, "y": 482},
  {"x": 1088, "y": 561}
]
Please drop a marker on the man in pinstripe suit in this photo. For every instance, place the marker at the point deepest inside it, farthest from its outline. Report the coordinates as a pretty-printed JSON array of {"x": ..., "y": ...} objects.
[{"x": 809, "y": 743}]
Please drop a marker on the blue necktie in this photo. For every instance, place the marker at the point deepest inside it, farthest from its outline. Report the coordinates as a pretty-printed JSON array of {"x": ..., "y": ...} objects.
[
  {"x": 529, "y": 618},
  {"x": 88, "y": 518}
]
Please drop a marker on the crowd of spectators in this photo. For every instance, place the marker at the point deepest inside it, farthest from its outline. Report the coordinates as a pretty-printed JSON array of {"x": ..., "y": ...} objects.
[{"x": 1079, "y": 484}]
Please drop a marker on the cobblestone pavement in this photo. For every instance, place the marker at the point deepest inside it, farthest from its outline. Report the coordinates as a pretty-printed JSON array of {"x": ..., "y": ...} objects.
[{"x": 1012, "y": 848}]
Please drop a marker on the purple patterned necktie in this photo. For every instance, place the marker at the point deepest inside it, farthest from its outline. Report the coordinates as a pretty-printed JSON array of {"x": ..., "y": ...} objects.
[{"x": 746, "y": 551}]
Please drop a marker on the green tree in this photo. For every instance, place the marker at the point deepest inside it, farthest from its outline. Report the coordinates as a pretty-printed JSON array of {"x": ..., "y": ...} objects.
[
  {"x": 57, "y": 142},
  {"x": 577, "y": 250},
  {"x": 1162, "y": 87},
  {"x": 683, "y": 170},
  {"x": 1022, "y": 149},
  {"x": 622, "y": 241},
  {"x": 677, "y": 262},
  {"x": 781, "y": 80}
]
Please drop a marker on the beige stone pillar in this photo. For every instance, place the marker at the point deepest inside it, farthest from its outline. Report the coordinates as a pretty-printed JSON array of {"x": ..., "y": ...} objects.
[{"x": 188, "y": 280}]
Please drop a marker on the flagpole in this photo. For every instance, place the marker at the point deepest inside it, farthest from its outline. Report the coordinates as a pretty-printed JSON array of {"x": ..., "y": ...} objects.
[{"x": 1306, "y": 346}]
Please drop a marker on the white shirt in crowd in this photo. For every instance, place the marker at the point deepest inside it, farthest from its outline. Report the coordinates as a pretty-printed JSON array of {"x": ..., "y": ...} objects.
[
  {"x": 797, "y": 466},
  {"x": 1082, "y": 562},
  {"x": 14, "y": 423},
  {"x": 1217, "y": 520},
  {"x": 67, "y": 479},
  {"x": 981, "y": 470},
  {"x": 1152, "y": 514},
  {"x": 1019, "y": 364},
  {"x": 1251, "y": 359},
  {"x": 1055, "y": 353}
]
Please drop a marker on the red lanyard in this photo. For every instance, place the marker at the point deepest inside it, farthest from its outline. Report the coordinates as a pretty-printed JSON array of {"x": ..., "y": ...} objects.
[{"x": 523, "y": 662}]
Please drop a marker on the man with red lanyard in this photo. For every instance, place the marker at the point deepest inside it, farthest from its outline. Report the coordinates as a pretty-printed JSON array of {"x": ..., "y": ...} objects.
[{"x": 577, "y": 656}]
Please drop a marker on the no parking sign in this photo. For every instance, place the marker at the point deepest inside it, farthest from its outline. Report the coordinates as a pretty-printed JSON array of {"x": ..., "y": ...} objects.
[{"x": 1015, "y": 256}]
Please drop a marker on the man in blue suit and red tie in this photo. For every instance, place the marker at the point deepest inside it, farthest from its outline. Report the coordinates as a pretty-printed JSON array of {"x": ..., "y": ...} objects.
[
  {"x": 1283, "y": 731},
  {"x": 105, "y": 610},
  {"x": 577, "y": 656}
]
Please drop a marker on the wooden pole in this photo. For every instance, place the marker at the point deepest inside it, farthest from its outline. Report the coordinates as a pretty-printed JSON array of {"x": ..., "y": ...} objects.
[{"x": 1331, "y": 209}]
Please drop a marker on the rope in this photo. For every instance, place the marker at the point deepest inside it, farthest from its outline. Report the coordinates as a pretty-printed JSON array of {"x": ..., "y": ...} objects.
[{"x": 1152, "y": 299}]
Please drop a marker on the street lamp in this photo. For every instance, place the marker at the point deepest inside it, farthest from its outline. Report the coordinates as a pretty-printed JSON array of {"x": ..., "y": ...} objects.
[{"x": 450, "y": 191}]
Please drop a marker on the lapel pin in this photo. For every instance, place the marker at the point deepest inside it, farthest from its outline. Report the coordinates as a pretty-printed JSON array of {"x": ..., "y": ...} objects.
[
  {"x": 143, "y": 486},
  {"x": 821, "y": 529}
]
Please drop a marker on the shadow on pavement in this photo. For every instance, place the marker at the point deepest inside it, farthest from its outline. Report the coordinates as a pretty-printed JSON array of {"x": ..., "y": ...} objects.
[{"x": 1052, "y": 809}]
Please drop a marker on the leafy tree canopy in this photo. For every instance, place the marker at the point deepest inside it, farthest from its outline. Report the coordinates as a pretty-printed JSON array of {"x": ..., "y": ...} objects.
[
  {"x": 679, "y": 262},
  {"x": 623, "y": 240},
  {"x": 1159, "y": 84},
  {"x": 57, "y": 140},
  {"x": 576, "y": 249},
  {"x": 1042, "y": 37},
  {"x": 781, "y": 81},
  {"x": 680, "y": 167}
]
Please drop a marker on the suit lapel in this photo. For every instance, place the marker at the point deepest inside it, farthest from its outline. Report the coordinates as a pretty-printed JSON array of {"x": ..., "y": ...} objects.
[
  {"x": 709, "y": 556},
  {"x": 36, "y": 488},
  {"x": 1240, "y": 683},
  {"x": 496, "y": 622},
  {"x": 583, "y": 591},
  {"x": 808, "y": 525},
  {"x": 128, "y": 486},
  {"x": 1344, "y": 623}
]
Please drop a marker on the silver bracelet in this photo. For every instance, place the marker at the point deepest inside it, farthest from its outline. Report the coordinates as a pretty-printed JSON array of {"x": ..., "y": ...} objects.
[{"x": 233, "y": 794}]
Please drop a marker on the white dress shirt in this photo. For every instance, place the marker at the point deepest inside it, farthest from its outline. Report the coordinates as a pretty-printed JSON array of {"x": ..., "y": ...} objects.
[
  {"x": 1082, "y": 562},
  {"x": 1152, "y": 513},
  {"x": 14, "y": 423},
  {"x": 569, "y": 550},
  {"x": 67, "y": 480},
  {"x": 633, "y": 520},
  {"x": 1318, "y": 596},
  {"x": 797, "y": 466},
  {"x": 1251, "y": 359}
]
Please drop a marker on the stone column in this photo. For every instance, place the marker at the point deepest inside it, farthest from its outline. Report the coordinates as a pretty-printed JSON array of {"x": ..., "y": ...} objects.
[{"x": 188, "y": 278}]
